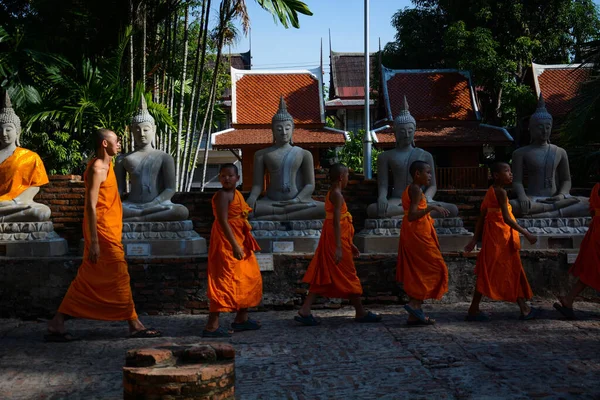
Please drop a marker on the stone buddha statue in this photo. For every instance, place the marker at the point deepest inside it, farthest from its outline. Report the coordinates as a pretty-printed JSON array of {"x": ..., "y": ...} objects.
[
  {"x": 292, "y": 177},
  {"x": 151, "y": 176},
  {"x": 548, "y": 175},
  {"x": 22, "y": 172},
  {"x": 398, "y": 161}
]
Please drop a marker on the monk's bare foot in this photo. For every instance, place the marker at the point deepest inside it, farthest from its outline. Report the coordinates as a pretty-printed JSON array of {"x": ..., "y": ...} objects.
[
  {"x": 136, "y": 329},
  {"x": 57, "y": 324},
  {"x": 215, "y": 328},
  {"x": 565, "y": 302}
]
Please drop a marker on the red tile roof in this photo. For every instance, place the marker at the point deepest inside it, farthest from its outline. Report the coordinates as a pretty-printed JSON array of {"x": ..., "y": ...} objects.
[
  {"x": 470, "y": 134},
  {"x": 434, "y": 95},
  {"x": 257, "y": 97},
  {"x": 348, "y": 74},
  {"x": 264, "y": 136},
  {"x": 559, "y": 85}
]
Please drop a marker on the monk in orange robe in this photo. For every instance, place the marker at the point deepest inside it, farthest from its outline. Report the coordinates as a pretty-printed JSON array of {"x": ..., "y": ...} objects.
[
  {"x": 500, "y": 274},
  {"x": 420, "y": 267},
  {"x": 331, "y": 272},
  {"x": 101, "y": 289},
  {"x": 234, "y": 279},
  {"x": 587, "y": 264}
]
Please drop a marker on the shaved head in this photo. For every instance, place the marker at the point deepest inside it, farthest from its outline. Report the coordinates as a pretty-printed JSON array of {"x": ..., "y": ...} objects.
[
  {"x": 497, "y": 167},
  {"x": 336, "y": 171},
  {"x": 103, "y": 134},
  {"x": 417, "y": 166}
]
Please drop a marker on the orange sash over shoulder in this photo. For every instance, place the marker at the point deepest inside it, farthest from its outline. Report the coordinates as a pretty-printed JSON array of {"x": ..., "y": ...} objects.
[
  {"x": 102, "y": 290},
  {"x": 233, "y": 284},
  {"x": 587, "y": 265},
  {"x": 325, "y": 277},
  {"x": 22, "y": 170},
  {"x": 420, "y": 267},
  {"x": 500, "y": 274}
]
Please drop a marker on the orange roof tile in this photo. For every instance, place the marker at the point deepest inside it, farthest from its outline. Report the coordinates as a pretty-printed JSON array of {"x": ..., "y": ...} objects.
[
  {"x": 559, "y": 85},
  {"x": 433, "y": 95},
  {"x": 472, "y": 134},
  {"x": 257, "y": 97},
  {"x": 263, "y": 136}
]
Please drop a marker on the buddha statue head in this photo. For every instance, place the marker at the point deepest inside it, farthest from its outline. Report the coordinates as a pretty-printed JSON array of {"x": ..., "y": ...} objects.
[
  {"x": 282, "y": 125},
  {"x": 143, "y": 126},
  {"x": 10, "y": 123},
  {"x": 405, "y": 126},
  {"x": 540, "y": 123}
]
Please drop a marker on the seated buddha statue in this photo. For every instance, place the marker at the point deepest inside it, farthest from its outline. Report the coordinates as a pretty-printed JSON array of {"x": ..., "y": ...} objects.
[
  {"x": 22, "y": 172},
  {"x": 398, "y": 161},
  {"x": 548, "y": 175},
  {"x": 151, "y": 176},
  {"x": 292, "y": 176}
]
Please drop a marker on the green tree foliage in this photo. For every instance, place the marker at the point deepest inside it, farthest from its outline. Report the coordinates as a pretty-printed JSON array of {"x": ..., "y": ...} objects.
[
  {"x": 351, "y": 154},
  {"x": 496, "y": 40}
]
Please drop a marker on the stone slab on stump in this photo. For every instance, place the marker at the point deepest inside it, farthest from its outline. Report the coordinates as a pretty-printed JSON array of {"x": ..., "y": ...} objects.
[
  {"x": 31, "y": 239},
  {"x": 287, "y": 236},
  {"x": 169, "y": 238},
  {"x": 383, "y": 235},
  {"x": 555, "y": 233},
  {"x": 169, "y": 371}
]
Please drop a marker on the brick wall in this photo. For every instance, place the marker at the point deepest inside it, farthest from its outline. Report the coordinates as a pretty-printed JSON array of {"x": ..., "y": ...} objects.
[{"x": 31, "y": 288}]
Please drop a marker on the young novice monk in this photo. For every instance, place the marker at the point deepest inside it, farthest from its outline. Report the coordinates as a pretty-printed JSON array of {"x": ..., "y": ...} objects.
[
  {"x": 587, "y": 265},
  {"x": 500, "y": 274},
  {"x": 420, "y": 265},
  {"x": 234, "y": 280},
  {"x": 331, "y": 272}
]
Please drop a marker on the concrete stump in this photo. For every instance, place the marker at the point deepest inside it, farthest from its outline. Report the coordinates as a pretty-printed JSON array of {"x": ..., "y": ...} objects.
[{"x": 194, "y": 372}]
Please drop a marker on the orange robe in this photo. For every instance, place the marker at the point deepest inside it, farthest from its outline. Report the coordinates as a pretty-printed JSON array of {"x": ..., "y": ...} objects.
[
  {"x": 326, "y": 278},
  {"x": 233, "y": 284},
  {"x": 500, "y": 274},
  {"x": 22, "y": 170},
  {"x": 101, "y": 291},
  {"x": 587, "y": 265},
  {"x": 420, "y": 267}
]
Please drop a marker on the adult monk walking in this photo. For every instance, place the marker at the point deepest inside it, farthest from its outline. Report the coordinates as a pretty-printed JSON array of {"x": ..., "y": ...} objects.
[{"x": 101, "y": 289}]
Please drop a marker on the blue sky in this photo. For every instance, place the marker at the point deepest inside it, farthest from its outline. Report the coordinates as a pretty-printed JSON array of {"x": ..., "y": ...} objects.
[{"x": 274, "y": 47}]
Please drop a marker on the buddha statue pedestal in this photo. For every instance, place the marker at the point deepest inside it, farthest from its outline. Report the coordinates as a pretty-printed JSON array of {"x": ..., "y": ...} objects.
[
  {"x": 383, "y": 235},
  {"x": 31, "y": 239},
  {"x": 554, "y": 233},
  {"x": 287, "y": 236},
  {"x": 176, "y": 238}
]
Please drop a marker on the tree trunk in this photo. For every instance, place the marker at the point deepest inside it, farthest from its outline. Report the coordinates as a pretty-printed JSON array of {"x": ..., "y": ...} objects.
[
  {"x": 189, "y": 132},
  {"x": 144, "y": 49},
  {"x": 182, "y": 98},
  {"x": 195, "y": 109}
]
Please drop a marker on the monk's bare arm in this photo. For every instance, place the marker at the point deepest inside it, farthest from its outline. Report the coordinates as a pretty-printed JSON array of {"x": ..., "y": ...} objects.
[
  {"x": 222, "y": 201},
  {"x": 414, "y": 213},
  {"x": 168, "y": 170},
  {"x": 308, "y": 173},
  {"x": 258, "y": 177},
  {"x": 564, "y": 176},
  {"x": 96, "y": 174},
  {"x": 431, "y": 190},
  {"x": 508, "y": 220}
]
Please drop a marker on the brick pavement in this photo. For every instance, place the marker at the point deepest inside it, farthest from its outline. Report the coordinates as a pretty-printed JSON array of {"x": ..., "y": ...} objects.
[{"x": 550, "y": 358}]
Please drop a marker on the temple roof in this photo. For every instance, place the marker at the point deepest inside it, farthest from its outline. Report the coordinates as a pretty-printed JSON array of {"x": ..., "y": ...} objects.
[
  {"x": 442, "y": 135},
  {"x": 314, "y": 137},
  {"x": 433, "y": 95},
  {"x": 348, "y": 75},
  {"x": 255, "y": 99},
  {"x": 256, "y": 95},
  {"x": 559, "y": 84}
]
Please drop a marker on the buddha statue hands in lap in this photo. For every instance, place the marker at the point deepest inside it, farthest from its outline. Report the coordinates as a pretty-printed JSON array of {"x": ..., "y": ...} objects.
[
  {"x": 292, "y": 176},
  {"x": 548, "y": 176},
  {"x": 151, "y": 176},
  {"x": 22, "y": 172},
  {"x": 398, "y": 161}
]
